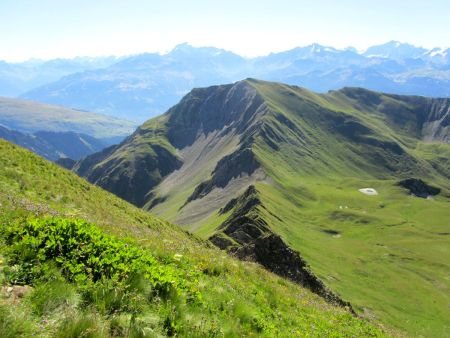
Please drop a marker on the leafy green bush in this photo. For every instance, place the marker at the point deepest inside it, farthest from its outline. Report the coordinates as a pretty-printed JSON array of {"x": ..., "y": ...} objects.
[{"x": 85, "y": 256}]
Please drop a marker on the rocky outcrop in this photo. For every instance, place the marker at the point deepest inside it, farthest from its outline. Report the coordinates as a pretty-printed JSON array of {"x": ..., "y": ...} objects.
[
  {"x": 419, "y": 188},
  {"x": 436, "y": 126},
  {"x": 247, "y": 235},
  {"x": 238, "y": 163},
  {"x": 205, "y": 110},
  {"x": 272, "y": 252}
]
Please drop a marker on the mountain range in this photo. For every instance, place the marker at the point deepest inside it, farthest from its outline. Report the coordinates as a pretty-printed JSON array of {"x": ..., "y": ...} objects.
[
  {"x": 145, "y": 85},
  {"x": 19, "y": 77},
  {"x": 54, "y": 145},
  {"x": 56, "y": 132},
  {"x": 353, "y": 183},
  {"x": 340, "y": 190}
]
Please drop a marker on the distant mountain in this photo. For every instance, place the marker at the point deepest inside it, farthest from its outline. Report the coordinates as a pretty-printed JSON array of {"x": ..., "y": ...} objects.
[
  {"x": 266, "y": 171},
  {"x": 395, "y": 50},
  {"x": 72, "y": 145},
  {"x": 146, "y": 85},
  {"x": 31, "y": 117},
  {"x": 439, "y": 55},
  {"x": 16, "y": 78},
  {"x": 30, "y": 142},
  {"x": 54, "y": 145}
]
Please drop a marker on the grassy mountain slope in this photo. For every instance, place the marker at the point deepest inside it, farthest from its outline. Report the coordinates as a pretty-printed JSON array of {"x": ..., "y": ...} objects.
[
  {"x": 29, "y": 117},
  {"x": 231, "y": 298},
  {"x": 306, "y": 155}
]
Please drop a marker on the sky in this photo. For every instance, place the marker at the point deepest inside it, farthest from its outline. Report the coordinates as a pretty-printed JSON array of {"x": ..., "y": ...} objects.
[{"x": 49, "y": 29}]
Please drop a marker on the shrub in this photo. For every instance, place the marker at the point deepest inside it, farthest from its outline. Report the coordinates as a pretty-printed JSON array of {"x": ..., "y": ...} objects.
[{"x": 85, "y": 255}]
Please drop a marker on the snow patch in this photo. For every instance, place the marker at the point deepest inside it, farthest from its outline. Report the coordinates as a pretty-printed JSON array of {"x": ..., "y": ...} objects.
[
  {"x": 439, "y": 52},
  {"x": 368, "y": 191}
]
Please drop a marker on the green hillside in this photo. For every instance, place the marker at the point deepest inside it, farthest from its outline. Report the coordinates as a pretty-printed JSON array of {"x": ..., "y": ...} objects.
[
  {"x": 242, "y": 163},
  {"x": 30, "y": 117},
  {"x": 78, "y": 261}
]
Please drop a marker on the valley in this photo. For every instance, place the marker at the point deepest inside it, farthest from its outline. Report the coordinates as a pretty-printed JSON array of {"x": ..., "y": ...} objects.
[
  {"x": 56, "y": 132},
  {"x": 224, "y": 169},
  {"x": 81, "y": 232},
  {"x": 306, "y": 155}
]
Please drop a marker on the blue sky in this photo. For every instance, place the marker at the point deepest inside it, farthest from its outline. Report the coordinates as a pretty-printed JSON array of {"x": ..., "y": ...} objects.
[{"x": 66, "y": 28}]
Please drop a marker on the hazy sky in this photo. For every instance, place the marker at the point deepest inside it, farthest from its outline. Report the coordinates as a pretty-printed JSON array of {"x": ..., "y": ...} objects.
[{"x": 66, "y": 28}]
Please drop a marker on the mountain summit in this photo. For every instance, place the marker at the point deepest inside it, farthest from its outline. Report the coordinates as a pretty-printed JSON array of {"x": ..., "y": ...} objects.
[
  {"x": 273, "y": 173},
  {"x": 395, "y": 50}
]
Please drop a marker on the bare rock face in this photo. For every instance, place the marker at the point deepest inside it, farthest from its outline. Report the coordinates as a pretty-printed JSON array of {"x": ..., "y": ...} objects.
[
  {"x": 436, "y": 127},
  {"x": 243, "y": 226},
  {"x": 205, "y": 110},
  {"x": 419, "y": 188},
  {"x": 241, "y": 162}
]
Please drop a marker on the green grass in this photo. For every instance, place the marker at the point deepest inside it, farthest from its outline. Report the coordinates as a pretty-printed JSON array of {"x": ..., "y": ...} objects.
[
  {"x": 39, "y": 200},
  {"x": 386, "y": 254},
  {"x": 14, "y": 322}
]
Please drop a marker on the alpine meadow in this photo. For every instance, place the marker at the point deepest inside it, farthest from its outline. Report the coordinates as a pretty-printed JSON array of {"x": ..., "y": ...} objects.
[{"x": 226, "y": 169}]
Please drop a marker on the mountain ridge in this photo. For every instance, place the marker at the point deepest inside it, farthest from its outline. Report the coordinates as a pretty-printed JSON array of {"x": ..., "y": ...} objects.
[
  {"x": 245, "y": 113},
  {"x": 31, "y": 117},
  {"x": 307, "y": 155},
  {"x": 54, "y": 145},
  {"x": 142, "y": 86}
]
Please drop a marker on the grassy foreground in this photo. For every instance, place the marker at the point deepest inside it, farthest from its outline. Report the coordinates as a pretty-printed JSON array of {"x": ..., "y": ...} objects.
[{"x": 77, "y": 261}]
